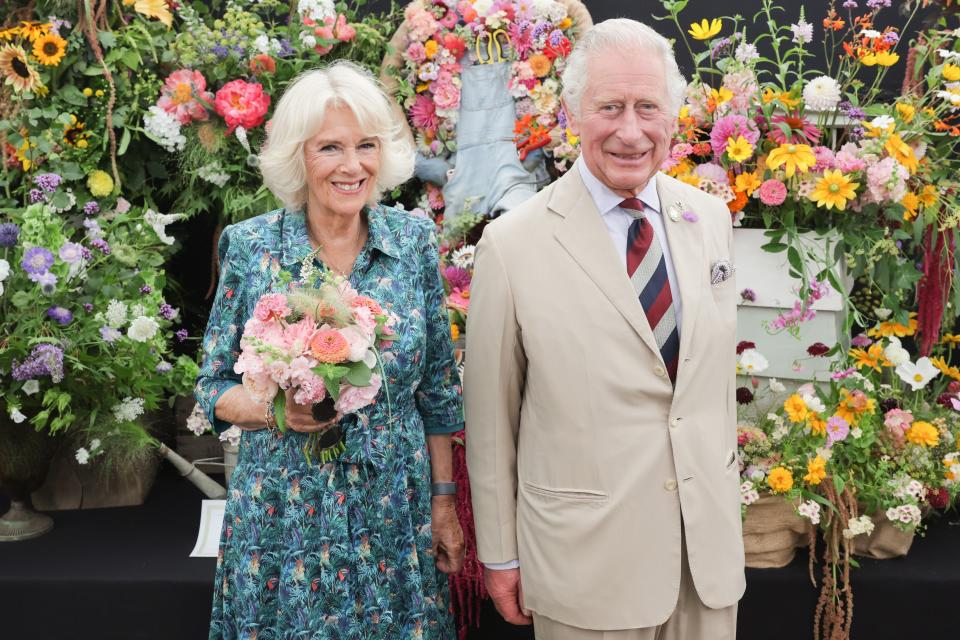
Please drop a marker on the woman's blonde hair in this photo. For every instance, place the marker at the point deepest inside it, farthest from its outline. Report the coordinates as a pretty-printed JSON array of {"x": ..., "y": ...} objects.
[{"x": 299, "y": 116}]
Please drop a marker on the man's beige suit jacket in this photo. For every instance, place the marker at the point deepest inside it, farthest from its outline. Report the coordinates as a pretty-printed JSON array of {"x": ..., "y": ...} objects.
[{"x": 582, "y": 455}]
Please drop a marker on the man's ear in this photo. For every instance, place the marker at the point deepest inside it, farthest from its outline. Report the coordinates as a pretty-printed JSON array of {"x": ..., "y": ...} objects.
[{"x": 572, "y": 123}]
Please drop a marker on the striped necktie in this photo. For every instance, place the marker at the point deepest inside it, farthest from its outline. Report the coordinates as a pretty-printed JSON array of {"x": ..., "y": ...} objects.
[{"x": 647, "y": 269}]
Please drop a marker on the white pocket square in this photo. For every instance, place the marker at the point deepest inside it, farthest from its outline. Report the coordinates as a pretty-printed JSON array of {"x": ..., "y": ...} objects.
[{"x": 721, "y": 271}]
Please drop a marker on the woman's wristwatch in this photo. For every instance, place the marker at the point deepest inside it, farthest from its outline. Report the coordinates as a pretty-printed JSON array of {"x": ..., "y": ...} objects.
[{"x": 443, "y": 489}]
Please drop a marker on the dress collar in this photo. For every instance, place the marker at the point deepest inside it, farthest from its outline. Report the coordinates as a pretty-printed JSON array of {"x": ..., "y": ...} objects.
[
  {"x": 606, "y": 200},
  {"x": 295, "y": 242}
]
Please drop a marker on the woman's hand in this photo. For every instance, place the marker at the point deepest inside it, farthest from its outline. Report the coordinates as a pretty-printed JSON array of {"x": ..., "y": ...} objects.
[
  {"x": 300, "y": 416},
  {"x": 448, "y": 548}
]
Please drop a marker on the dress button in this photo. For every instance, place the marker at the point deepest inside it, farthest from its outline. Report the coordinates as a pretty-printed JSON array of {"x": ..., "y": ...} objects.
[
  {"x": 670, "y": 485},
  {"x": 660, "y": 371}
]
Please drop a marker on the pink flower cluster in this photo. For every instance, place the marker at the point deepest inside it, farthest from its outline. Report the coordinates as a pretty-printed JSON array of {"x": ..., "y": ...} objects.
[
  {"x": 331, "y": 32},
  {"x": 283, "y": 348},
  {"x": 802, "y": 310}
]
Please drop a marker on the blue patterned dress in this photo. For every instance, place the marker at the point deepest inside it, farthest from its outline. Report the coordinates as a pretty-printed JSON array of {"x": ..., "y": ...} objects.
[{"x": 341, "y": 551}]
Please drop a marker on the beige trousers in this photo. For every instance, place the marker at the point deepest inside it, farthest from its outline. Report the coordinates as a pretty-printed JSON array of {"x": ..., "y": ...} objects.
[{"x": 691, "y": 620}]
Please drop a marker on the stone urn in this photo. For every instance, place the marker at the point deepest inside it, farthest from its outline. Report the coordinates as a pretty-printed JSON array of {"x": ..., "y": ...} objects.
[{"x": 25, "y": 456}]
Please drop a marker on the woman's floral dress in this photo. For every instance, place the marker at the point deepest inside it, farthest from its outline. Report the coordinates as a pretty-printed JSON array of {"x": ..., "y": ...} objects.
[{"x": 343, "y": 550}]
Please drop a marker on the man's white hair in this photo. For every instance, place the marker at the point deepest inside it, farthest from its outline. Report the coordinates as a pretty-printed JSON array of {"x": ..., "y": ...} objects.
[
  {"x": 300, "y": 114},
  {"x": 620, "y": 34}
]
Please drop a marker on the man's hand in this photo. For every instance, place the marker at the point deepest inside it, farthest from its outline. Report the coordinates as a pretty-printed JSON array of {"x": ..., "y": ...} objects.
[
  {"x": 448, "y": 547},
  {"x": 505, "y": 589}
]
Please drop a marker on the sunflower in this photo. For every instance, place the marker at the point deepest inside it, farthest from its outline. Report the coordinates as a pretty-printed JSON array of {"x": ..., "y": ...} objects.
[
  {"x": 74, "y": 134},
  {"x": 34, "y": 30},
  {"x": 17, "y": 71},
  {"x": 49, "y": 49}
]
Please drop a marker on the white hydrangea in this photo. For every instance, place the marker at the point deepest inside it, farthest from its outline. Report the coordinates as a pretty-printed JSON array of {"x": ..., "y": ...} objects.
[
  {"x": 316, "y": 10},
  {"x": 116, "y": 315},
  {"x": 128, "y": 409},
  {"x": 197, "y": 421},
  {"x": 748, "y": 493},
  {"x": 862, "y": 525},
  {"x": 308, "y": 40},
  {"x": 463, "y": 257},
  {"x": 267, "y": 45},
  {"x": 231, "y": 436},
  {"x": 214, "y": 174},
  {"x": 810, "y": 510},
  {"x": 142, "y": 328},
  {"x": 159, "y": 221},
  {"x": 822, "y": 94},
  {"x": 164, "y": 128},
  {"x": 82, "y": 455}
]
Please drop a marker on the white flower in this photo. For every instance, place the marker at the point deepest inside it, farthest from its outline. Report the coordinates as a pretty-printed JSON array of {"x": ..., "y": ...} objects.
[
  {"x": 780, "y": 432},
  {"x": 30, "y": 387},
  {"x": 895, "y": 353},
  {"x": 264, "y": 44},
  {"x": 746, "y": 53},
  {"x": 952, "y": 97},
  {"x": 82, "y": 455},
  {"x": 138, "y": 310},
  {"x": 164, "y": 129},
  {"x": 858, "y": 526},
  {"x": 949, "y": 55},
  {"x": 822, "y": 94},
  {"x": 128, "y": 409},
  {"x": 94, "y": 444},
  {"x": 776, "y": 386},
  {"x": 751, "y": 361},
  {"x": 214, "y": 174},
  {"x": 197, "y": 421},
  {"x": 142, "y": 328},
  {"x": 919, "y": 374},
  {"x": 116, "y": 315},
  {"x": 16, "y": 416},
  {"x": 802, "y": 32},
  {"x": 159, "y": 221},
  {"x": 825, "y": 452},
  {"x": 810, "y": 510},
  {"x": 748, "y": 494},
  {"x": 316, "y": 10},
  {"x": 757, "y": 475},
  {"x": 308, "y": 40},
  {"x": 463, "y": 257},
  {"x": 882, "y": 122},
  {"x": 871, "y": 33},
  {"x": 231, "y": 435},
  {"x": 4, "y": 269},
  {"x": 814, "y": 403},
  {"x": 856, "y": 432}
]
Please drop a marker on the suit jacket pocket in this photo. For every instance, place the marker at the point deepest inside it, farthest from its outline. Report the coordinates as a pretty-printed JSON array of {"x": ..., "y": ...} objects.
[{"x": 572, "y": 495}]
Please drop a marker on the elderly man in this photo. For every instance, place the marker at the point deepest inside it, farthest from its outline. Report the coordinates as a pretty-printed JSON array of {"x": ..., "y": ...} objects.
[{"x": 600, "y": 377}]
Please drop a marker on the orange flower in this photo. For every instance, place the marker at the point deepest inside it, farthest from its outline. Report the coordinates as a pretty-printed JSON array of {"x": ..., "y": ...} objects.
[
  {"x": 893, "y": 328},
  {"x": 796, "y": 408},
  {"x": 818, "y": 426},
  {"x": 329, "y": 346},
  {"x": 539, "y": 64},
  {"x": 872, "y": 357},
  {"x": 816, "y": 471},
  {"x": 738, "y": 202},
  {"x": 946, "y": 369}
]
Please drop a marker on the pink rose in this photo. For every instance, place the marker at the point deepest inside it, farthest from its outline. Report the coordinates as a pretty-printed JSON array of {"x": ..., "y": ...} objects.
[
  {"x": 353, "y": 398},
  {"x": 324, "y": 33},
  {"x": 359, "y": 341},
  {"x": 773, "y": 192},
  {"x": 260, "y": 387},
  {"x": 420, "y": 24},
  {"x": 446, "y": 95},
  {"x": 296, "y": 339},
  {"x": 242, "y": 104}
]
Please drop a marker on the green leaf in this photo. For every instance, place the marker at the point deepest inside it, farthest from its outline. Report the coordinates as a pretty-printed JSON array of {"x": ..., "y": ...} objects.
[
  {"x": 107, "y": 39},
  {"x": 333, "y": 388},
  {"x": 20, "y": 299},
  {"x": 60, "y": 200},
  {"x": 71, "y": 95},
  {"x": 774, "y": 247},
  {"x": 793, "y": 257},
  {"x": 838, "y": 484},
  {"x": 359, "y": 375},
  {"x": 280, "y": 410},
  {"x": 124, "y": 142},
  {"x": 71, "y": 171}
]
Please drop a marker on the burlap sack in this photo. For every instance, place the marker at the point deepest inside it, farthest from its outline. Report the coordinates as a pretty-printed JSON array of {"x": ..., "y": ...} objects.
[
  {"x": 772, "y": 531},
  {"x": 885, "y": 542}
]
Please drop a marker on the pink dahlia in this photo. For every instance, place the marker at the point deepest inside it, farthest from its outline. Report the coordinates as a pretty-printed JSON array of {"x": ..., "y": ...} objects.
[
  {"x": 183, "y": 95},
  {"x": 772, "y": 192},
  {"x": 242, "y": 104},
  {"x": 730, "y": 127},
  {"x": 423, "y": 113}
]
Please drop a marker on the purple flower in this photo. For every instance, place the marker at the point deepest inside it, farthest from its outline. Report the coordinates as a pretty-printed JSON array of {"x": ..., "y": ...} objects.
[
  {"x": 86, "y": 253},
  {"x": 61, "y": 315},
  {"x": 220, "y": 51},
  {"x": 556, "y": 37},
  {"x": 87, "y": 307},
  {"x": 850, "y": 4},
  {"x": 837, "y": 429},
  {"x": 36, "y": 196},
  {"x": 109, "y": 334},
  {"x": 44, "y": 360},
  {"x": 9, "y": 233},
  {"x": 457, "y": 278},
  {"x": 690, "y": 216},
  {"x": 182, "y": 335},
  {"x": 744, "y": 395},
  {"x": 101, "y": 244},
  {"x": 891, "y": 37},
  {"x": 167, "y": 312},
  {"x": 861, "y": 340},
  {"x": 47, "y": 282},
  {"x": 37, "y": 260},
  {"x": 286, "y": 49},
  {"x": 878, "y": 4},
  {"x": 164, "y": 367},
  {"x": 145, "y": 289},
  {"x": 71, "y": 252},
  {"x": 92, "y": 208},
  {"x": 48, "y": 181},
  {"x": 748, "y": 295},
  {"x": 93, "y": 228}
]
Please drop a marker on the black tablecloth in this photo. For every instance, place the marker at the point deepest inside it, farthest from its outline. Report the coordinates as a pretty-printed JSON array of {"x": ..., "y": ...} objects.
[{"x": 125, "y": 574}]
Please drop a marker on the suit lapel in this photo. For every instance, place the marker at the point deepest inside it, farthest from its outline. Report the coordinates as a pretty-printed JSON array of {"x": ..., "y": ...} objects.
[
  {"x": 686, "y": 250},
  {"x": 584, "y": 236}
]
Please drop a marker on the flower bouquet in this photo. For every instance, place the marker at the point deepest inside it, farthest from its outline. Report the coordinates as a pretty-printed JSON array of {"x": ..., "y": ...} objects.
[{"x": 324, "y": 343}]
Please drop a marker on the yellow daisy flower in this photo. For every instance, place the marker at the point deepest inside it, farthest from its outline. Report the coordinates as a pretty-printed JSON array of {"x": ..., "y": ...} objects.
[
  {"x": 792, "y": 157},
  {"x": 33, "y": 30},
  {"x": 154, "y": 9},
  {"x": 949, "y": 338},
  {"x": 923, "y": 433},
  {"x": 818, "y": 426},
  {"x": 780, "y": 480},
  {"x": 872, "y": 358},
  {"x": 928, "y": 197},
  {"x": 796, "y": 408},
  {"x": 706, "y": 29},
  {"x": 911, "y": 205},
  {"x": 834, "y": 190},
  {"x": 816, "y": 471},
  {"x": 748, "y": 183},
  {"x": 739, "y": 150},
  {"x": 881, "y": 58},
  {"x": 49, "y": 49},
  {"x": 906, "y": 112},
  {"x": 784, "y": 97},
  {"x": 719, "y": 96},
  {"x": 951, "y": 72},
  {"x": 894, "y": 328},
  {"x": 944, "y": 368},
  {"x": 901, "y": 152}
]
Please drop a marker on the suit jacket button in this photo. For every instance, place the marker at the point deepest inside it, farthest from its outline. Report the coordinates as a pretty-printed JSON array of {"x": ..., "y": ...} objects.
[
  {"x": 660, "y": 371},
  {"x": 670, "y": 485}
]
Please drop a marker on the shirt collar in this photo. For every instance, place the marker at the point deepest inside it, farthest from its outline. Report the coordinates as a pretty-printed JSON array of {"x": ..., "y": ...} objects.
[
  {"x": 295, "y": 242},
  {"x": 606, "y": 200}
]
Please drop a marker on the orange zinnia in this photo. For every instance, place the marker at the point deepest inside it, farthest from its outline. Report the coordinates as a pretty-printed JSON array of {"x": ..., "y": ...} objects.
[
  {"x": 539, "y": 64},
  {"x": 329, "y": 346}
]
